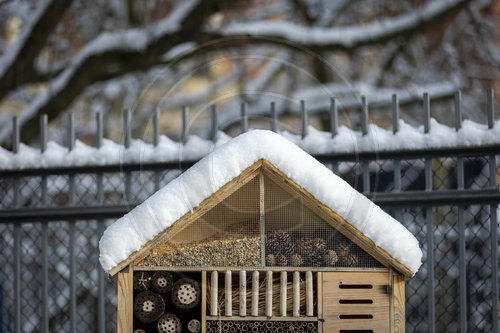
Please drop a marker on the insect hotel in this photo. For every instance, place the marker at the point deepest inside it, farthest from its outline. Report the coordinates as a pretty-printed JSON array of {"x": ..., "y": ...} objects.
[{"x": 259, "y": 237}]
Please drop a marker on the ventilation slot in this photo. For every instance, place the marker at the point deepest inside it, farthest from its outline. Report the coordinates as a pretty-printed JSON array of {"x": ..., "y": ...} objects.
[
  {"x": 355, "y": 286},
  {"x": 356, "y": 316},
  {"x": 356, "y": 301}
]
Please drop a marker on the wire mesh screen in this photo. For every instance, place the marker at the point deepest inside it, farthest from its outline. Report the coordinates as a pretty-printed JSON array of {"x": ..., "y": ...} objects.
[
  {"x": 59, "y": 279},
  {"x": 296, "y": 236},
  {"x": 226, "y": 235}
]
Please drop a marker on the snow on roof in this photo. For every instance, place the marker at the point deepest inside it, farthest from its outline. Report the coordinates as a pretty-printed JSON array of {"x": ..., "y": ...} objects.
[{"x": 129, "y": 233}]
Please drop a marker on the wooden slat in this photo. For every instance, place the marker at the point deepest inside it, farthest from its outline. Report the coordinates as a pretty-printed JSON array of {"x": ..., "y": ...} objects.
[
  {"x": 319, "y": 286},
  {"x": 203, "y": 301},
  {"x": 333, "y": 218},
  {"x": 255, "y": 293},
  {"x": 398, "y": 289},
  {"x": 229, "y": 295},
  {"x": 125, "y": 303},
  {"x": 243, "y": 293},
  {"x": 283, "y": 292},
  {"x": 309, "y": 294},
  {"x": 333, "y": 309},
  {"x": 247, "y": 175}
]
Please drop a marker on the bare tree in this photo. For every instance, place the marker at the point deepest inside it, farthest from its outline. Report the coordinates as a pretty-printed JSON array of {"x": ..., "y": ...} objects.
[{"x": 65, "y": 48}]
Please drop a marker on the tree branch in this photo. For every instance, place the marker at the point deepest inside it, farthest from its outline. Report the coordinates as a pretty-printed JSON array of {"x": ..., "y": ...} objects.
[
  {"x": 345, "y": 38},
  {"x": 111, "y": 55},
  {"x": 17, "y": 65}
]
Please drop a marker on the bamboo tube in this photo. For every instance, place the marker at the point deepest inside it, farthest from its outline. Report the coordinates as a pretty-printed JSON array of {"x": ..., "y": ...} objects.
[
  {"x": 255, "y": 293},
  {"x": 269, "y": 294},
  {"x": 283, "y": 288},
  {"x": 213, "y": 290},
  {"x": 309, "y": 294},
  {"x": 296, "y": 294},
  {"x": 243, "y": 293},
  {"x": 229, "y": 297}
]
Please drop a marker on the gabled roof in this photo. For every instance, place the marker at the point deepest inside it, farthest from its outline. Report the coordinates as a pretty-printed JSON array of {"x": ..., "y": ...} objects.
[{"x": 125, "y": 239}]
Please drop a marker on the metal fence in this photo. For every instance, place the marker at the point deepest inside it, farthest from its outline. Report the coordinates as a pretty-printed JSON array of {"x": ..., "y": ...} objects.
[{"x": 51, "y": 220}]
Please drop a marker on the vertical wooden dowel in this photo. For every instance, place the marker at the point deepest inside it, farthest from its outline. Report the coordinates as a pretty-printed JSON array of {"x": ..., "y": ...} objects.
[
  {"x": 229, "y": 296},
  {"x": 203, "y": 301},
  {"x": 255, "y": 293},
  {"x": 243, "y": 293},
  {"x": 283, "y": 285},
  {"x": 309, "y": 294},
  {"x": 296, "y": 294},
  {"x": 214, "y": 293},
  {"x": 269, "y": 293}
]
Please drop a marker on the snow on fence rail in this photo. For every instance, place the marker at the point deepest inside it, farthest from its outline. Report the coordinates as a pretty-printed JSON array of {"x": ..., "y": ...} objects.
[{"x": 431, "y": 135}]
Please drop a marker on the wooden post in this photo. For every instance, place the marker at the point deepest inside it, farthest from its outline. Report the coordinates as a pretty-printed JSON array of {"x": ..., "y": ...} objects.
[
  {"x": 243, "y": 293},
  {"x": 229, "y": 296},
  {"x": 269, "y": 294},
  {"x": 319, "y": 290},
  {"x": 283, "y": 285},
  {"x": 296, "y": 294},
  {"x": 309, "y": 294},
  {"x": 214, "y": 293},
  {"x": 255, "y": 293},
  {"x": 125, "y": 302},
  {"x": 203, "y": 301},
  {"x": 398, "y": 289}
]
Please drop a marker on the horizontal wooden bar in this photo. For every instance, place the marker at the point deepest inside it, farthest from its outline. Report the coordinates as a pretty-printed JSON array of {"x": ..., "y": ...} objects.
[{"x": 259, "y": 318}]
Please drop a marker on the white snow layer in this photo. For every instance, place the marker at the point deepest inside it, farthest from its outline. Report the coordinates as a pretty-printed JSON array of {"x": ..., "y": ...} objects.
[
  {"x": 129, "y": 233},
  {"x": 316, "y": 142}
]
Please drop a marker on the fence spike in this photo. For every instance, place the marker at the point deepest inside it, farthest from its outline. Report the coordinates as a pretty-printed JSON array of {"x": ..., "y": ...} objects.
[
  {"x": 244, "y": 117},
  {"x": 458, "y": 110},
  {"x": 334, "y": 117},
  {"x": 490, "y": 108},
  {"x": 99, "y": 129},
  {"x": 156, "y": 127},
  {"x": 274, "y": 117},
  {"x": 427, "y": 113},
  {"x": 364, "y": 115},
  {"x": 395, "y": 114},
  {"x": 16, "y": 135},
  {"x": 43, "y": 132},
  {"x": 185, "y": 120},
  {"x": 71, "y": 131},
  {"x": 214, "y": 122},
  {"x": 304, "y": 118},
  {"x": 127, "y": 130}
]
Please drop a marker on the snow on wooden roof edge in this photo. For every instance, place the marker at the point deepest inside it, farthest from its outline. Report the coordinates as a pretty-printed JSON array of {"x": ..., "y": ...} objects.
[{"x": 129, "y": 233}]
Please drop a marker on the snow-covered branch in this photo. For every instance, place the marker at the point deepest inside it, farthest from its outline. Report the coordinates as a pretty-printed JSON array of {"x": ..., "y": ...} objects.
[
  {"x": 110, "y": 55},
  {"x": 346, "y": 38},
  {"x": 17, "y": 63}
]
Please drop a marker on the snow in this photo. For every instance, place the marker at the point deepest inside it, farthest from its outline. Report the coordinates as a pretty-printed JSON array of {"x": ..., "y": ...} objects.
[
  {"x": 341, "y": 36},
  {"x": 316, "y": 142},
  {"x": 129, "y": 233}
]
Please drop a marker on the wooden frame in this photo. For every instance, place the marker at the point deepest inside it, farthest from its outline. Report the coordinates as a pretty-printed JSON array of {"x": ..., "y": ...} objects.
[{"x": 395, "y": 271}]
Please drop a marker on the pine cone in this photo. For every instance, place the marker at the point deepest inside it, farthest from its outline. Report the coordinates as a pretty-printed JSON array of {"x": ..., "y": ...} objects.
[
  {"x": 281, "y": 260},
  {"x": 296, "y": 260},
  {"x": 279, "y": 242},
  {"x": 343, "y": 248},
  {"x": 319, "y": 245},
  {"x": 350, "y": 260},
  {"x": 305, "y": 246},
  {"x": 271, "y": 260},
  {"x": 331, "y": 258}
]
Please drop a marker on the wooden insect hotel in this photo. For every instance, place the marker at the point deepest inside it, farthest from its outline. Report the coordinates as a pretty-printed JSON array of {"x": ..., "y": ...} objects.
[{"x": 256, "y": 245}]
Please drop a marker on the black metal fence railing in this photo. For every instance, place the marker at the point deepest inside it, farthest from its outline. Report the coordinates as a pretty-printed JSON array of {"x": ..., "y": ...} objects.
[{"x": 51, "y": 221}]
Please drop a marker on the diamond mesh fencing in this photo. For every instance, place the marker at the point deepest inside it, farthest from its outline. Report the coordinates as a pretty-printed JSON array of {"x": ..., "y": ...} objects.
[{"x": 22, "y": 253}]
